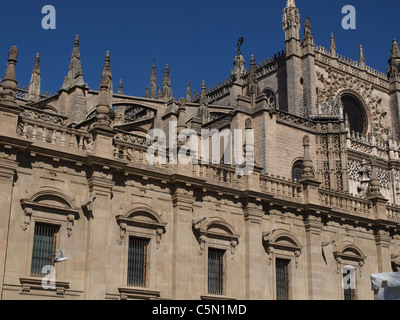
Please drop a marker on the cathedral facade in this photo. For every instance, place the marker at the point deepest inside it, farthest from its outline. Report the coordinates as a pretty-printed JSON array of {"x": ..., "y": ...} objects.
[{"x": 316, "y": 215}]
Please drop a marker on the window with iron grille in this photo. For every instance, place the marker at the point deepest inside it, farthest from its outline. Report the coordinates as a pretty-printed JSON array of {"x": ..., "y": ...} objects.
[
  {"x": 137, "y": 261},
  {"x": 282, "y": 279},
  {"x": 44, "y": 247},
  {"x": 215, "y": 271}
]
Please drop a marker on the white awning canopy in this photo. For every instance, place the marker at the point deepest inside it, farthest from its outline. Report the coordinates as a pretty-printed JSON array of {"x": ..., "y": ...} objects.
[{"x": 386, "y": 285}]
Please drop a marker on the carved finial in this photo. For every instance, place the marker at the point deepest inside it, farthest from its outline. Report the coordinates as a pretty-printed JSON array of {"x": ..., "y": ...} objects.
[
  {"x": 395, "y": 51},
  {"x": 362, "y": 57},
  {"x": 166, "y": 87},
  {"x": 121, "y": 87},
  {"x": 13, "y": 53},
  {"x": 34, "y": 84},
  {"x": 75, "y": 73},
  {"x": 253, "y": 89},
  {"x": 147, "y": 94},
  {"x": 239, "y": 45},
  {"x": 308, "y": 38},
  {"x": 153, "y": 81},
  {"x": 203, "y": 93},
  {"x": 188, "y": 92},
  {"x": 103, "y": 107},
  {"x": 9, "y": 81},
  {"x": 290, "y": 4},
  {"x": 333, "y": 45},
  {"x": 76, "y": 41}
]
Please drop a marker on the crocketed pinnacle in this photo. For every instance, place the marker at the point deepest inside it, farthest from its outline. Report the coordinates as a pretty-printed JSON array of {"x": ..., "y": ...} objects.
[
  {"x": 188, "y": 92},
  {"x": 103, "y": 106},
  {"x": 10, "y": 81},
  {"x": 333, "y": 45},
  {"x": 34, "y": 84},
  {"x": 120, "y": 87},
  {"x": 153, "y": 81},
  {"x": 362, "y": 57},
  {"x": 166, "y": 87},
  {"x": 75, "y": 73}
]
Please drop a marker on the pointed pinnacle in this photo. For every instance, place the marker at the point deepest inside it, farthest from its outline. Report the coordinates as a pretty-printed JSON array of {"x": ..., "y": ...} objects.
[
  {"x": 36, "y": 65},
  {"x": 77, "y": 40},
  {"x": 290, "y": 4},
  {"x": 395, "y": 52},
  {"x": 362, "y": 57}
]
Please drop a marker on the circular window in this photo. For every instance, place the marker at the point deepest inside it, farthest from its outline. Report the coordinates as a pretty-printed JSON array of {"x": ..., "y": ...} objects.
[{"x": 353, "y": 108}]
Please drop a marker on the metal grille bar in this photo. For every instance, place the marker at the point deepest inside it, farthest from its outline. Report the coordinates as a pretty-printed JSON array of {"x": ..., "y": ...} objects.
[
  {"x": 44, "y": 247},
  {"x": 215, "y": 271},
  {"x": 137, "y": 261},
  {"x": 282, "y": 279}
]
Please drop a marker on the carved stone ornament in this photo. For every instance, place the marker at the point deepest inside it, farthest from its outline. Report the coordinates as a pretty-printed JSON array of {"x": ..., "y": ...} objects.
[
  {"x": 348, "y": 253},
  {"x": 396, "y": 262},
  {"x": 141, "y": 217},
  {"x": 336, "y": 82},
  {"x": 37, "y": 204},
  {"x": 216, "y": 228},
  {"x": 13, "y": 53},
  {"x": 283, "y": 241}
]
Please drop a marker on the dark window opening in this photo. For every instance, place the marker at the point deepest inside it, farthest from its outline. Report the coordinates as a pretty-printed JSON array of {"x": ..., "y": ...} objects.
[
  {"x": 137, "y": 262},
  {"x": 282, "y": 279},
  {"x": 356, "y": 115},
  {"x": 44, "y": 247},
  {"x": 215, "y": 271},
  {"x": 297, "y": 171}
]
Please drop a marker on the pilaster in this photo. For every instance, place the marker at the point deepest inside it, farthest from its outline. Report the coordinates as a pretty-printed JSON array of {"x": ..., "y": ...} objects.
[
  {"x": 100, "y": 186},
  {"x": 254, "y": 267}
]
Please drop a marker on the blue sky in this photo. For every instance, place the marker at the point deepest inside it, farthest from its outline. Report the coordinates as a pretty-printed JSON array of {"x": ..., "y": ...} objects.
[{"x": 196, "y": 38}]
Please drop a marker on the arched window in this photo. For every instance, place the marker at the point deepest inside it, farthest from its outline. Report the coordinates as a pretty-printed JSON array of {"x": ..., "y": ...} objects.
[
  {"x": 353, "y": 108},
  {"x": 297, "y": 170}
]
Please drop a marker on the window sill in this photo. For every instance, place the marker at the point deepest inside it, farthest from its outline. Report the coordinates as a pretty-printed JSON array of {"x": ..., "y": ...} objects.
[
  {"x": 138, "y": 293},
  {"x": 216, "y": 297},
  {"x": 35, "y": 283}
]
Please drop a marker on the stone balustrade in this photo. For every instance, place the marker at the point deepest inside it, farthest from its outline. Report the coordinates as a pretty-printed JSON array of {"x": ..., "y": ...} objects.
[
  {"x": 51, "y": 128},
  {"x": 340, "y": 201}
]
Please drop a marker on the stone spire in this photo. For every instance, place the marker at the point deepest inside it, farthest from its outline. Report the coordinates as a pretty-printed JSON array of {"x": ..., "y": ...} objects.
[
  {"x": 203, "y": 93},
  {"x": 9, "y": 81},
  {"x": 290, "y": 4},
  {"x": 34, "y": 84},
  {"x": 75, "y": 73},
  {"x": 147, "y": 94},
  {"x": 103, "y": 106},
  {"x": 253, "y": 89},
  {"x": 153, "y": 81},
  {"x": 188, "y": 92},
  {"x": 333, "y": 46},
  {"x": 291, "y": 21},
  {"x": 308, "y": 38},
  {"x": 159, "y": 93},
  {"x": 394, "y": 61},
  {"x": 107, "y": 69},
  {"x": 362, "y": 58},
  {"x": 120, "y": 87},
  {"x": 395, "y": 51},
  {"x": 166, "y": 87}
]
